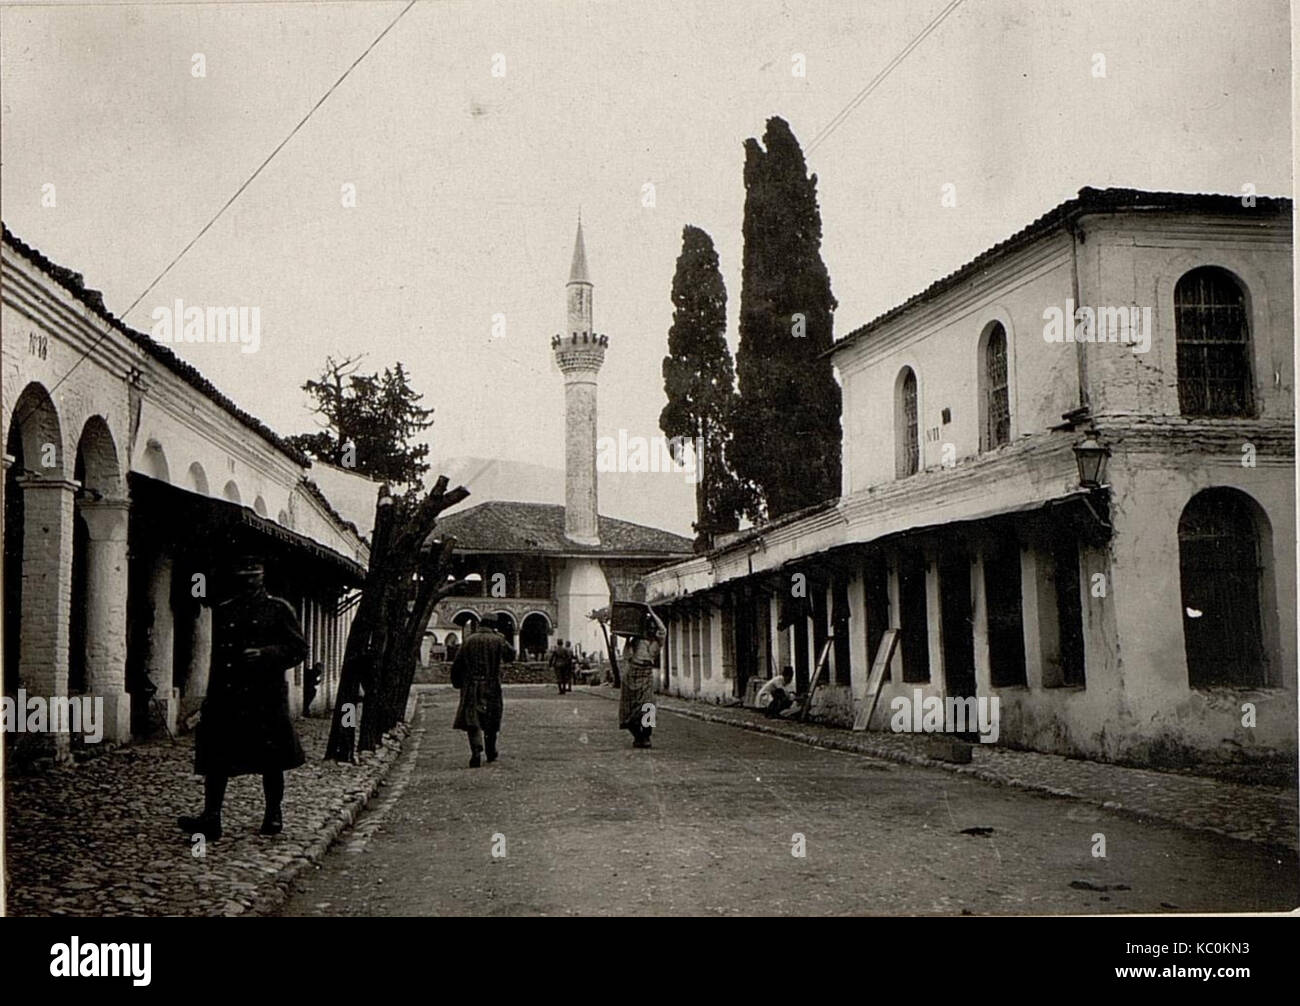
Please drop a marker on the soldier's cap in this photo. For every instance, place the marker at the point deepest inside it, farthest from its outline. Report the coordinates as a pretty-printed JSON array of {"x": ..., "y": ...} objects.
[{"x": 248, "y": 562}]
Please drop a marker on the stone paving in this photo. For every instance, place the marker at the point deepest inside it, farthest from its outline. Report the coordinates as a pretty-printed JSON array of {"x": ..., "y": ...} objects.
[
  {"x": 1264, "y": 814},
  {"x": 100, "y": 838}
]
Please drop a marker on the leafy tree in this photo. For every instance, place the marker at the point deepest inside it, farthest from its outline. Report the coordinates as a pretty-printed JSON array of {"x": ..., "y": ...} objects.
[
  {"x": 370, "y": 419},
  {"x": 701, "y": 385},
  {"x": 788, "y": 428}
]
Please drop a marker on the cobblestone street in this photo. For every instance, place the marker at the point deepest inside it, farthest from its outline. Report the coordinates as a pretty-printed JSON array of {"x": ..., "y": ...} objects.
[
  {"x": 101, "y": 839},
  {"x": 1266, "y": 814},
  {"x": 706, "y": 821}
]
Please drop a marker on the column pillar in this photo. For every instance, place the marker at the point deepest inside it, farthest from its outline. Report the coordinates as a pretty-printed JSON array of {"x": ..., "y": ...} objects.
[
  {"x": 162, "y": 637},
  {"x": 106, "y": 574},
  {"x": 47, "y": 599},
  {"x": 934, "y": 619},
  {"x": 200, "y": 668},
  {"x": 980, "y": 626},
  {"x": 830, "y": 673},
  {"x": 859, "y": 658},
  {"x": 894, "y": 589}
]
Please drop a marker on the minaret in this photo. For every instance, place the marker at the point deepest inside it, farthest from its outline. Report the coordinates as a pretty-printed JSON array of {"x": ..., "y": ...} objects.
[
  {"x": 581, "y": 585},
  {"x": 579, "y": 352}
]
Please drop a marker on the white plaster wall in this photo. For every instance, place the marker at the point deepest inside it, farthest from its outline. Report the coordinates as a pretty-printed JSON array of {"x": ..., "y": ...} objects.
[
  {"x": 580, "y": 588},
  {"x": 941, "y": 343},
  {"x": 1127, "y": 260}
]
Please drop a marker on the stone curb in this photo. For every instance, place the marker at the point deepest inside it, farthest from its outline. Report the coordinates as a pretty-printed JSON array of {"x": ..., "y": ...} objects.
[
  {"x": 984, "y": 775},
  {"x": 272, "y": 895}
]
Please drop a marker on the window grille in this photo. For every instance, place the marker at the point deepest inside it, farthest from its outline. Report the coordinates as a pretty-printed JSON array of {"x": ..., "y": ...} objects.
[
  {"x": 1213, "y": 355},
  {"x": 997, "y": 402}
]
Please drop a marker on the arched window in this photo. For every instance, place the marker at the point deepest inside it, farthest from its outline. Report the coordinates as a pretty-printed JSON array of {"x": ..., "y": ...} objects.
[
  {"x": 1214, "y": 371},
  {"x": 1219, "y": 563},
  {"x": 997, "y": 398},
  {"x": 907, "y": 455}
]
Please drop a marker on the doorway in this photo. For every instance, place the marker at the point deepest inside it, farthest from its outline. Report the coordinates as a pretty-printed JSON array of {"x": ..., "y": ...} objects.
[{"x": 957, "y": 625}]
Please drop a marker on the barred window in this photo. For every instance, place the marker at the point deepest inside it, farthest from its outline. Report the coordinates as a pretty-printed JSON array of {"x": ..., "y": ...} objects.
[
  {"x": 1214, "y": 371},
  {"x": 908, "y": 452},
  {"x": 997, "y": 399}
]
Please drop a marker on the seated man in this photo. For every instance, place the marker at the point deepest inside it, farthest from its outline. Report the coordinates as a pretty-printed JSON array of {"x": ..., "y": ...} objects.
[{"x": 774, "y": 697}]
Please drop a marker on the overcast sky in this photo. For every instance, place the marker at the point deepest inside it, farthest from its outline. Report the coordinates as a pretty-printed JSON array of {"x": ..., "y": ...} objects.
[{"x": 468, "y": 185}]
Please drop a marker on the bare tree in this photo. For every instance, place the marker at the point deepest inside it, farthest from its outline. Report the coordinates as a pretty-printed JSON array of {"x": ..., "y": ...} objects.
[{"x": 408, "y": 575}]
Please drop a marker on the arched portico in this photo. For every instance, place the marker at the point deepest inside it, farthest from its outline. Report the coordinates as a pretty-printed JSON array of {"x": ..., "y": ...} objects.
[
  {"x": 38, "y": 558},
  {"x": 535, "y": 633},
  {"x": 507, "y": 626},
  {"x": 97, "y": 626}
]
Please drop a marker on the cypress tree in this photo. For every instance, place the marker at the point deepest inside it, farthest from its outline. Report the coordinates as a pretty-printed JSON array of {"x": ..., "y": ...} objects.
[
  {"x": 700, "y": 383},
  {"x": 788, "y": 428}
]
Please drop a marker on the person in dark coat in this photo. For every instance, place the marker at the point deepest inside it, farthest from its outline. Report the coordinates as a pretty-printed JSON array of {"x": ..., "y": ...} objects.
[
  {"x": 570, "y": 665},
  {"x": 477, "y": 673},
  {"x": 245, "y": 727},
  {"x": 314, "y": 677},
  {"x": 562, "y": 663}
]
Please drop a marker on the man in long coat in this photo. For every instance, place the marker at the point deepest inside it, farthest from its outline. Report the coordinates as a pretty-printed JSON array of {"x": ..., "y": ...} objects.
[
  {"x": 476, "y": 671},
  {"x": 245, "y": 727},
  {"x": 561, "y": 662}
]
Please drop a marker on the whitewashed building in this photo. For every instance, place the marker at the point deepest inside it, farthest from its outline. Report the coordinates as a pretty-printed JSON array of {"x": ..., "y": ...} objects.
[
  {"x": 1151, "y": 618},
  {"x": 129, "y": 483}
]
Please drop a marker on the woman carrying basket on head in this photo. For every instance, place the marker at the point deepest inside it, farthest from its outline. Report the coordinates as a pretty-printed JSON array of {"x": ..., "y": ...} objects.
[{"x": 636, "y": 698}]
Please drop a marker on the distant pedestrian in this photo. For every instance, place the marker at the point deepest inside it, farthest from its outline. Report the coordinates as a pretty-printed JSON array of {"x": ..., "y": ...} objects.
[
  {"x": 561, "y": 662},
  {"x": 245, "y": 727},
  {"x": 636, "y": 697},
  {"x": 312, "y": 683},
  {"x": 477, "y": 673},
  {"x": 570, "y": 665}
]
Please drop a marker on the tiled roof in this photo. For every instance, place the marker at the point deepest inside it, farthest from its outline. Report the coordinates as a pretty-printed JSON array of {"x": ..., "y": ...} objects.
[
  {"x": 1089, "y": 200},
  {"x": 314, "y": 491},
  {"x": 75, "y": 284},
  {"x": 503, "y": 526}
]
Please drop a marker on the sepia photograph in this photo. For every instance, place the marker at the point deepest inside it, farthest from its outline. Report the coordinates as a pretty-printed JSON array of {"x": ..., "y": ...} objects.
[{"x": 699, "y": 458}]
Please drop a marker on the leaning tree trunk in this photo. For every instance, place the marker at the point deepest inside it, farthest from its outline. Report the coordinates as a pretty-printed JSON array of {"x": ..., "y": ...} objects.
[
  {"x": 407, "y": 577},
  {"x": 408, "y": 616}
]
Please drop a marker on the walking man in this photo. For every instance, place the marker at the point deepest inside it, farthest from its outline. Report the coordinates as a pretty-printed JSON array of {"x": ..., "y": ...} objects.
[
  {"x": 477, "y": 673},
  {"x": 311, "y": 685},
  {"x": 562, "y": 662},
  {"x": 245, "y": 727},
  {"x": 553, "y": 663}
]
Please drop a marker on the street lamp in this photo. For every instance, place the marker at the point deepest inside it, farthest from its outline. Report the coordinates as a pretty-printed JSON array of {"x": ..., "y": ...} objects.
[{"x": 1091, "y": 456}]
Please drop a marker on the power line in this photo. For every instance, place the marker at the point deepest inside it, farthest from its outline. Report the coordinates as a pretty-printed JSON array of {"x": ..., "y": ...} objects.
[
  {"x": 269, "y": 157},
  {"x": 875, "y": 81},
  {"x": 238, "y": 192}
]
